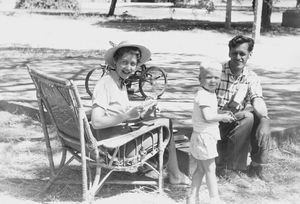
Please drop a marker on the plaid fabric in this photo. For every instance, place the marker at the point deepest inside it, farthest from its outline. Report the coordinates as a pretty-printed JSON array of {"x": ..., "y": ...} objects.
[{"x": 229, "y": 86}]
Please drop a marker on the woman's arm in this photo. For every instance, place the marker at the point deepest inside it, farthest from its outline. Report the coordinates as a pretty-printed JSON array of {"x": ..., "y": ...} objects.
[{"x": 101, "y": 120}]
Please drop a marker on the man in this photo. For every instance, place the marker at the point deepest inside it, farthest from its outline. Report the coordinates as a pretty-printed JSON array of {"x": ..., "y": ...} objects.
[{"x": 240, "y": 92}]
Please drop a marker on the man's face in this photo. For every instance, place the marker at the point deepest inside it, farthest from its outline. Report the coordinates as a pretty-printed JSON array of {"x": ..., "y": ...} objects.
[{"x": 239, "y": 56}]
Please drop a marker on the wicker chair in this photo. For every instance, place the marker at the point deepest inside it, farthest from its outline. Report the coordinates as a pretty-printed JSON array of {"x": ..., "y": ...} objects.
[{"x": 60, "y": 99}]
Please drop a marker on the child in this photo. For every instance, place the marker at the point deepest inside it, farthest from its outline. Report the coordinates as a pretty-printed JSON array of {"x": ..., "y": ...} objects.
[{"x": 203, "y": 145}]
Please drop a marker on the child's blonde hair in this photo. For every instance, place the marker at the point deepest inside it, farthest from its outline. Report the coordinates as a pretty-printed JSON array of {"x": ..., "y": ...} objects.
[{"x": 209, "y": 66}]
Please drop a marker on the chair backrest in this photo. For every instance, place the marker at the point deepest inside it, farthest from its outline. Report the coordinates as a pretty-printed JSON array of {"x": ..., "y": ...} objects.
[{"x": 60, "y": 99}]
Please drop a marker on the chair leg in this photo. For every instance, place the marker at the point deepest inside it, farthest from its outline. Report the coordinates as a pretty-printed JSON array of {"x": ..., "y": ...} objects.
[
  {"x": 160, "y": 166},
  {"x": 98, "y": 187},
  {"x": 46, "y": 135},
  {"x": 54, "y": 177},
  {"x": 63, "y": 158},
  {"x": 96, "y": 184}
]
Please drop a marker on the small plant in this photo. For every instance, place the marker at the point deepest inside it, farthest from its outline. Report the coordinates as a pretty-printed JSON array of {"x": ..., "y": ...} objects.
[
  {"x": 47, "y": 4},
  {"x": 200, "y": 4},
  {"x": 207, "y": 4}
]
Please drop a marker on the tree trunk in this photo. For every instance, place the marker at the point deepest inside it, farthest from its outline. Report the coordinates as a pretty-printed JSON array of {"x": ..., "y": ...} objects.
[
  {"x": 266, "y": 13},
  {"x": 228, "y": 14},
  {"x": 298, "y": 4},
  {"x": 112, "y": 7},
  {"x": 257, "y": 20}
]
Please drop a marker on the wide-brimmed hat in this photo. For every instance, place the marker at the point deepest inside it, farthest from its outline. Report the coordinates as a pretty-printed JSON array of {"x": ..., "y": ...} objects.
[{"x": 145, "y": 52}]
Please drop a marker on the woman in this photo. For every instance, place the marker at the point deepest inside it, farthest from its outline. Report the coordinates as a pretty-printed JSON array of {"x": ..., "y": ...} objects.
[{"x": 111, "y": 105}]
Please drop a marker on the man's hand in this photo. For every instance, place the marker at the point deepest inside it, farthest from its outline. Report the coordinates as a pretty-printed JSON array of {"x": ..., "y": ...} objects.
[{"x": 263, "y": 132}]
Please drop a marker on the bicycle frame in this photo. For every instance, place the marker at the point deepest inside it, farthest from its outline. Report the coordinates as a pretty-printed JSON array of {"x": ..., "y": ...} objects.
[{"x": 145, "y": 80}]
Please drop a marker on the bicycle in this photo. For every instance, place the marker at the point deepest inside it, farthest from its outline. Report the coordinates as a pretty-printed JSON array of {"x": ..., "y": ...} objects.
[{"x": 150, "y": 82}]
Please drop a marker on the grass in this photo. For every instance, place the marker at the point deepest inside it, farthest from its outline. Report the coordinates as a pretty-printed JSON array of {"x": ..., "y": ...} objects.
[{"x": 24, "y": 171}]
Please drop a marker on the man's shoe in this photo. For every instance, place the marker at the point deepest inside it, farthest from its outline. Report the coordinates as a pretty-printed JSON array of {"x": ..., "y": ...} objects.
[
  {"x": 234, "y": 174},
  {"x": 252, "y": 171},
  {"x": 221, "y": 172},
  {"x": 228, "y": 174},
  {"x": 261, "y": 171}
]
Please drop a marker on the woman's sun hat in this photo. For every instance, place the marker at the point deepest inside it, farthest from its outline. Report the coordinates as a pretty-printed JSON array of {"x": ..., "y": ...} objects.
[{"x": 109, "y": 55}]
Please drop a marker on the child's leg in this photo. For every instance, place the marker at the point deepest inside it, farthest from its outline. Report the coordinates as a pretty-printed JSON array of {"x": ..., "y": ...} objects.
[
  {"x": 209, "y": 167},
  {"x": 193, "y": 195}
]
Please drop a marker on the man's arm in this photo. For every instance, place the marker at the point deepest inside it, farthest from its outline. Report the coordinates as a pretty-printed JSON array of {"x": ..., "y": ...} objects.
[
  {"x": 260, "y": 107},
  {"x": 263, "y": 130}
]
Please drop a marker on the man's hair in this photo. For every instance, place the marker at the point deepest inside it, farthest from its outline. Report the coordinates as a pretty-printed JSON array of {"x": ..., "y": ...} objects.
[{"x": 240, "y": 39}]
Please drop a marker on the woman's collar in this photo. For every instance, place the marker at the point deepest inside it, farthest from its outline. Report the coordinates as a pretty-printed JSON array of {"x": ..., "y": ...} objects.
[{"x": 119, "y": 81}]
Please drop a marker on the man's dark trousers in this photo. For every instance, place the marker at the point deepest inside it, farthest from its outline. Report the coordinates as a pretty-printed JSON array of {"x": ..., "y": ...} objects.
[{"x": 237, "y": 138}]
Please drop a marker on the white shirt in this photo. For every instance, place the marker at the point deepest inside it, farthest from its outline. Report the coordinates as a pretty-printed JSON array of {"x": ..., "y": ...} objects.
[
  {"x": 109, "y": 96},
  {"x": 204, "y": 98}
]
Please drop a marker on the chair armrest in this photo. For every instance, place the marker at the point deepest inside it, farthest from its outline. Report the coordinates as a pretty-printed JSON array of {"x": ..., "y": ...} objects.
[
  {"x": 88, "y": 113},
  {"x": 125, "y": 138}
]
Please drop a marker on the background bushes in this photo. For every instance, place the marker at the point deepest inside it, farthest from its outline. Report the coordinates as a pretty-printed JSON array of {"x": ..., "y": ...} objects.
[{"x": 47, "y": 4}]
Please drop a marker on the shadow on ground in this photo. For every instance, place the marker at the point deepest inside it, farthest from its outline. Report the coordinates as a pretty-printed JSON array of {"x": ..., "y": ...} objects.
[
  {"x": 168, "y": 24},
  {"x": 281, "y": 90}
]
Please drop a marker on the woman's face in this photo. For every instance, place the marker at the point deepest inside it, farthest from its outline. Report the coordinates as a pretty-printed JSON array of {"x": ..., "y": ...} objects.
[{"x": 126, "y": 65}]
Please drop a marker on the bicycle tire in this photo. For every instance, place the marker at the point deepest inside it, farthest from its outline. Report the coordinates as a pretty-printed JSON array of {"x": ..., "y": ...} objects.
[
  {"x": 92, "y": 77},
  {"x": 153, "y": 82}
]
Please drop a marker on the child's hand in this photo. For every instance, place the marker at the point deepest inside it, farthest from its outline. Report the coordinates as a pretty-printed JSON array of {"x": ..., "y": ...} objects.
[{"x": 228, "y": 117}]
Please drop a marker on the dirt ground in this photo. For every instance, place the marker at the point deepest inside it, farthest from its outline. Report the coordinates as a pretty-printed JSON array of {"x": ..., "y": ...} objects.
[{"x": 68, "y": 45}]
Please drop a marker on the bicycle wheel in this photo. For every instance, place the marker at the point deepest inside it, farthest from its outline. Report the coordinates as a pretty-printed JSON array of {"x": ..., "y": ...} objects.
[
  {"x": 153, "y": 82},
  {"x": 92, "y": 77}
]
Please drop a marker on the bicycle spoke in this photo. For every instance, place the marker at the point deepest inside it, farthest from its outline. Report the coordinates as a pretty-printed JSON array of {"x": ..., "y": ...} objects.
[{"x": 153, "y": 82}]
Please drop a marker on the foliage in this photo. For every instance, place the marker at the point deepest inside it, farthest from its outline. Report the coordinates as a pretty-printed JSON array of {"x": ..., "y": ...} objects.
[
  {"x": 47, "y": 4},
  {"x": 200, "y": 4}
]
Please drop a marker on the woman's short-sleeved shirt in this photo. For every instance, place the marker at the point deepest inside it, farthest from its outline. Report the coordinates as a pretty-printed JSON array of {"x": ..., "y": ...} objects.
[
  {"x": 204, "y": 98},
  {"x": 109, "y": 96}
]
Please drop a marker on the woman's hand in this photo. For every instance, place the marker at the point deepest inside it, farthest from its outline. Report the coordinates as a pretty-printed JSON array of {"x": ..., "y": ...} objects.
[
  {"x": 134, "y": 112},
  {"x": 148, "y": 111}
]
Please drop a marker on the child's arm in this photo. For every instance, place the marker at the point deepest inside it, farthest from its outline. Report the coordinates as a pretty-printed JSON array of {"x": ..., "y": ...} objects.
[{"x": 211, "y": 116}]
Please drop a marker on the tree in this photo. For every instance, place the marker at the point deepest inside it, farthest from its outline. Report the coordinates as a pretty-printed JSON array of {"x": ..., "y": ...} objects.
[
  {"x": 112, "y": 7},
  {"x": 298, "y": 4},
  {"x": 266, "y": 13},
  {"x": 228, "y": 14}
]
